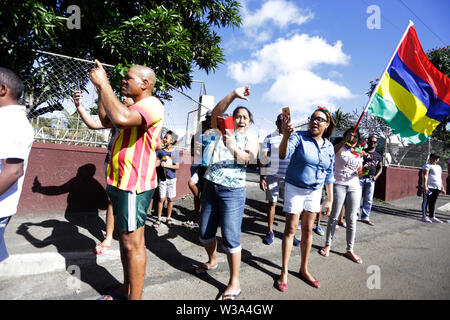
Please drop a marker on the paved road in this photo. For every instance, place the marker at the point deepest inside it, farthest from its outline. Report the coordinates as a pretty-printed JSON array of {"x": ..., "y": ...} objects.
[{"x": 403, "y": 258}]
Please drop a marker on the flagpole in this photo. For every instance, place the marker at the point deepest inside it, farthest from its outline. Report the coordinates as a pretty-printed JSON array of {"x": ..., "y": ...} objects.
[{"x": 410, "y": 24}]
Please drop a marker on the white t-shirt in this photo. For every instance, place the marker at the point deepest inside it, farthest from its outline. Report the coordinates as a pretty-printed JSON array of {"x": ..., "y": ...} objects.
[
  {"x": 346, "y": 166},
  {"x": 16, "y": 138},
  {"x": 434, "y": 175}
]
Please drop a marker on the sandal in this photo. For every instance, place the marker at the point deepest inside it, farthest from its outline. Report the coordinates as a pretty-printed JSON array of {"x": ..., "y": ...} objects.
[
  {"x": 170, "y": 223},
  {"x": 203, "y": 268},
  {"x": 353, "y": 257},
  {"x": 324, "y": 252},
  {"x": 156, "y": 224},
  {"x": 230, "y": 296},
  {"x": 101, "y": 248},
  {"x": 112, "y": 296}
]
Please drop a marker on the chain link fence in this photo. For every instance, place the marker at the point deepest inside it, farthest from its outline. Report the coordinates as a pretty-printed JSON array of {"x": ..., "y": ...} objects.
[
  {"x": 48, "y": 98},
  {"x": 399, "y": 154}
]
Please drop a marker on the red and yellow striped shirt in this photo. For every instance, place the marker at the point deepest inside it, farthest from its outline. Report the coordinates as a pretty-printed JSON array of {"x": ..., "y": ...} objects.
[{"x": 133, "y": 155}]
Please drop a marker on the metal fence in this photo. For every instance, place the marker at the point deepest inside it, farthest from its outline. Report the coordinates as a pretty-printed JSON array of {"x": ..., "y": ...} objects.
[
  {"x": 49, "y": 89},
  {"x": 412, "y": 155},
  {"x": 48, "y": 98}
]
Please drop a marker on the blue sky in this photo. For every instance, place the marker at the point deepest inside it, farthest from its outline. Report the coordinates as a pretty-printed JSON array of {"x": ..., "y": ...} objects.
[{"x": 307, "y": 53}]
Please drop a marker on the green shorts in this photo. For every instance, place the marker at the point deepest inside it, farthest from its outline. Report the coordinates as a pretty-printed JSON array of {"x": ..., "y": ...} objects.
[{"x": 129, "y": 208}]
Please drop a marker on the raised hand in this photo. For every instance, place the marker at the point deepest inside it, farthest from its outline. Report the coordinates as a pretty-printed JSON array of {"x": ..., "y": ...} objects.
[
  {"x": 98, "y": 75},
  {"x": 77, "y": 97},
  {"x": 242, "y": 92},
  {"x": 286, "y": 126}
]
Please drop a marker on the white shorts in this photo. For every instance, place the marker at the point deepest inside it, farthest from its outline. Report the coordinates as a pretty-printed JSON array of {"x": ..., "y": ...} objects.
[
  {"x": 298, "y": 199},
  {"x": 275, "y": 188},
  {"x": 168, "y": 188}
]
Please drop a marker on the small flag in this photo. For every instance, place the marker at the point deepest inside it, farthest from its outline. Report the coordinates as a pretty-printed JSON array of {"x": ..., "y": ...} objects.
[{"x": 412, "y": 97}]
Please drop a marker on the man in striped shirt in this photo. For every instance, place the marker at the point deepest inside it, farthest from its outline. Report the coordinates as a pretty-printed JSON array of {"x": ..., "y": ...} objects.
[
  {"x": 273, "y": 170},
  {"x": 131, "y": 176}
]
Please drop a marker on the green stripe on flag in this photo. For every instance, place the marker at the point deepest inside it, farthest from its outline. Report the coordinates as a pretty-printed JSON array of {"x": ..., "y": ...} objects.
[{"x": 395, "y": 119}]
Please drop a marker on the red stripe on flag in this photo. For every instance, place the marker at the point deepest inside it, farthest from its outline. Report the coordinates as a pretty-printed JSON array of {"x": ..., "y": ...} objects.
[{"x": 412, "y": 54}]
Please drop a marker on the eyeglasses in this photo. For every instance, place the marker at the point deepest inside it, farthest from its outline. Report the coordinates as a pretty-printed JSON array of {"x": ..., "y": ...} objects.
[
  {"x": 373, "y": 141},
  {"x": 318, "y": 119}
]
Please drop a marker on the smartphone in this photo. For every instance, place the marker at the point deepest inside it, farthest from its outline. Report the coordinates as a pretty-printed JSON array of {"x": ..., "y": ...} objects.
[
  {"x": 77, "y": 83},
  {"x": 286, "y": 113},
  {"x": 225, "y": 124}
]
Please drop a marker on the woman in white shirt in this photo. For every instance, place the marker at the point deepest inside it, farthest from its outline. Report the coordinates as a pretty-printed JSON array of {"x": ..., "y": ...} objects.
[
  {"x": 346, "y": 191},
  {"x": 432, "y": 185}
]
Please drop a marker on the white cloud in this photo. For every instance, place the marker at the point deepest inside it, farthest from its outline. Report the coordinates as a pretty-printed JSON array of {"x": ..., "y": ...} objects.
[
  {"x": 279, "y": 13},
  {"x": 303, "y": 89},
  {"x": 288, "y": 65}
]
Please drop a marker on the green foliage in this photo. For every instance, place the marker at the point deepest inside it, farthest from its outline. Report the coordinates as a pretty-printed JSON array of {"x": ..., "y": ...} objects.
[
  {"x": 171, "y": 36},
  {"x": 343, "y": 120},
  {"x": 440, "y": 58}
]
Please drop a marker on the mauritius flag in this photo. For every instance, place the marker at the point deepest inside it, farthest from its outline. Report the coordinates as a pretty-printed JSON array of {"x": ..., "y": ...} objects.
[{"x": 412, "y": 96}]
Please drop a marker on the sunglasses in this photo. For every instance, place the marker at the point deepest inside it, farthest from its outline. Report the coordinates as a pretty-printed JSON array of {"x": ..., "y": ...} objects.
[
  {"x": 318, "y": 119},
  {"x": 373, "y": 141}
]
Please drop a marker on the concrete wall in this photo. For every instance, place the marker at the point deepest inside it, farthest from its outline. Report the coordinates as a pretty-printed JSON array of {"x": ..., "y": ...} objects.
[
  {"x": 72, "y": 178},
  {"x": 396, "y": 183}
]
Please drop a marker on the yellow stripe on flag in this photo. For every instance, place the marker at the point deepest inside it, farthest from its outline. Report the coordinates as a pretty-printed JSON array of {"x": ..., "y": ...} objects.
[{"x": 408, "y": 104}]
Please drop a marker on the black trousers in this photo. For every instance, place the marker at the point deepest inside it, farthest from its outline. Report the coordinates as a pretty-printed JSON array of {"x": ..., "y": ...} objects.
[{"x": 430, "y": 201}]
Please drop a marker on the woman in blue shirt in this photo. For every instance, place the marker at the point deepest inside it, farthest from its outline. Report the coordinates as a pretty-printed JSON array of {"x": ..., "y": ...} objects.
[{"x": 311, "y": 167}]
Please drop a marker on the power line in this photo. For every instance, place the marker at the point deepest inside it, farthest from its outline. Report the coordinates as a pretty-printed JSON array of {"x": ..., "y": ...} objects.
[{"x": 423, "y": 22}]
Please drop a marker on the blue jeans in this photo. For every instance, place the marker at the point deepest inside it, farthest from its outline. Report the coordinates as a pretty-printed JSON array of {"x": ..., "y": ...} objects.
[
  {"x": 3, "y": 252},
  {"x": 222, "y": 206},
  {"x": 367, "y": 189}
]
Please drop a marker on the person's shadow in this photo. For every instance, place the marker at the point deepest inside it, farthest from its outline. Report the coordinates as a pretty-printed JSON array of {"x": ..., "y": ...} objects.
[
  {"x": 86, "y": 196},
  {"x": 67, "y": 240}
]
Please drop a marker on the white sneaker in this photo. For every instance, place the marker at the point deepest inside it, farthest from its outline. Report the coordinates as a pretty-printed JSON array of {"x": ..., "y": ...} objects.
[
  {"x": 436, "y": 220},
  {"x": 427, "y": 220}
]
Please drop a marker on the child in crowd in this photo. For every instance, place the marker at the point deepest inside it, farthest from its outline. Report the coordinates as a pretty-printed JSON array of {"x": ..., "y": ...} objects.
[{"x": 168, "y": 163}]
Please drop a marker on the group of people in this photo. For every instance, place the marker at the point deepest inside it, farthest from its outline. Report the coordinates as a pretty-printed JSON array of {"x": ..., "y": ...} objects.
[{"x": 298, "y": 165}]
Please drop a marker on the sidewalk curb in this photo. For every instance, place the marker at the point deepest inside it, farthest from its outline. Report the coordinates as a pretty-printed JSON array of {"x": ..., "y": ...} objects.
[{"x": 19, "y": 265}]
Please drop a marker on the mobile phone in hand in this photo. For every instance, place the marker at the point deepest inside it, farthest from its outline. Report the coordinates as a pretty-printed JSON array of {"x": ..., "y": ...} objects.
[{"x": 286, "y": 113}]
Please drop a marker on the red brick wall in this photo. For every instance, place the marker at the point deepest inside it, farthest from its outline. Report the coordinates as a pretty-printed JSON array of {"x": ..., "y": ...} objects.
[
  {"x": 58, "y": 166},
  {"x": 396, "y": 183}
]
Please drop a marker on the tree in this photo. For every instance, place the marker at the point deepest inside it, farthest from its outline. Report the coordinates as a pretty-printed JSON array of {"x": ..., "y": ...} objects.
[
  {"x": 343, "y": 120},
  {"x": 170, "y": 36}
]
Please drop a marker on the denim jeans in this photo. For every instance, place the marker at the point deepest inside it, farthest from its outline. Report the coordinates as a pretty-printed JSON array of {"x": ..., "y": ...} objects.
[
  {"x": 222, "y": 206},
  {"x": 367, "y": 189},
  {"x": 350, "y": 196},
  {"x": 3, "y": 252}
]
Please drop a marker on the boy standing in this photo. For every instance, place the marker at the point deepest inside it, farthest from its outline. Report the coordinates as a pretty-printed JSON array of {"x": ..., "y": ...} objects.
[{"x": 169, "y": 162}]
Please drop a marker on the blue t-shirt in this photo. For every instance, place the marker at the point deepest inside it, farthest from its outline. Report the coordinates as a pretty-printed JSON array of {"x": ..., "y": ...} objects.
[
  {"x": 311, "y": 166},
  {"x": 172, "y": 157}
]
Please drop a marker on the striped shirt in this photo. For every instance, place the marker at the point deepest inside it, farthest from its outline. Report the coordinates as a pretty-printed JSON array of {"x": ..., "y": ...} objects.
[
  {"x": 133, "y": 159},
  {"x": 276, "y": 167}
]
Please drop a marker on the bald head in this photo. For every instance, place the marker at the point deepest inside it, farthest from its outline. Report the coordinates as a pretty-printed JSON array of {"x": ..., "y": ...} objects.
[{"x": 145, "y": 73}]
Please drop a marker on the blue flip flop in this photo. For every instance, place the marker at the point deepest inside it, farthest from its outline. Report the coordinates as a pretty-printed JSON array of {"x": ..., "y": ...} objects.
[{"x": 114, "y": 296}]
